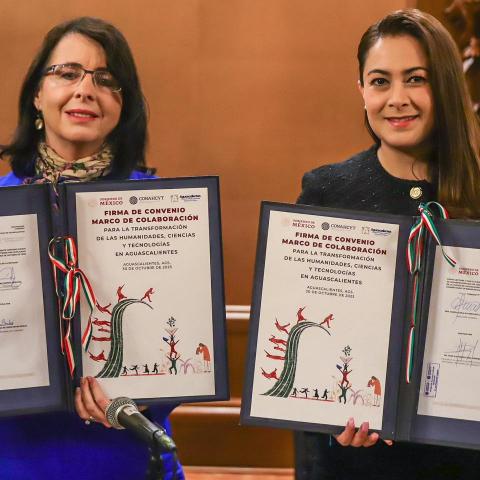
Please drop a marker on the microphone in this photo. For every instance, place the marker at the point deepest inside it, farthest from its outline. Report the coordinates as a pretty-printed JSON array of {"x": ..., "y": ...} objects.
[{"x": 122, "y": 413}]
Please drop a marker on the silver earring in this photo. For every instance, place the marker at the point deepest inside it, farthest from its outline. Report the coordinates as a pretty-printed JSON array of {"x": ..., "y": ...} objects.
[{"x": 39, "y": 121}]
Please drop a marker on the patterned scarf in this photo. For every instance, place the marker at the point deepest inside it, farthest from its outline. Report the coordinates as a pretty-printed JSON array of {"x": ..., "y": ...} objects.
[{"x": 51, "y": 167}]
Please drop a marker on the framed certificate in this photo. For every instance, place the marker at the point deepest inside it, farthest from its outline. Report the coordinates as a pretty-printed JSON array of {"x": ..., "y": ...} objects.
[
  {"x": 32, "y": 371},
  {"x": 330, "y": 327},
  {"x": 151, "y": 325},
  {"x": 448, "y": 369},
  {"x": 152, "y": 251},
  {"x": 327, "y": 319}
]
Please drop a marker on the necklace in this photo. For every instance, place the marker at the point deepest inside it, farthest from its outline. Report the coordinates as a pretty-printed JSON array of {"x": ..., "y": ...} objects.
[
  {"x": 415, "y": 192},
  {"x": 413, "y": 171}
]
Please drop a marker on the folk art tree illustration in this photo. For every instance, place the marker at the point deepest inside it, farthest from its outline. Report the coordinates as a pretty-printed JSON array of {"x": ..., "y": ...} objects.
[
  {"x": 288, "y": 352},
  {"x": 285, "y": 342},
  {"x": 114, "y": 362},
  {"x": 110, "y": 333}
]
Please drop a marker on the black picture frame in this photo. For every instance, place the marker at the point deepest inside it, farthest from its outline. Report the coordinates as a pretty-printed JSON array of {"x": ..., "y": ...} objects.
[
  {"x": 36, "y": 200},
  {"x": 399, "y": 306},
  {"x": 432, "y": 429},
  {"x": 211, "y": 183}
]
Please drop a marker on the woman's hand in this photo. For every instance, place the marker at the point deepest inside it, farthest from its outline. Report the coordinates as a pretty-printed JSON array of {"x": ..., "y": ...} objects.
[
  {"x": 359, "y": 438},
  {"x": 91, "y": 402}
]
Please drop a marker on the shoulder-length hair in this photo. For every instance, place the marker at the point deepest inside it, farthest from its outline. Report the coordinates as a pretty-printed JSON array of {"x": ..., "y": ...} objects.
[
  {"x": 456, "y": 137},
  {"x": 127, "y": 140}
]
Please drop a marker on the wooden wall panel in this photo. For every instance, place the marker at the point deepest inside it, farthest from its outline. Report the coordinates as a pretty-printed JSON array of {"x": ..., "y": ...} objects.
[
  {"x": 221, "y": 440},
  {"x": 436, "y": 8},
  {"x": 255, "y": 91}
]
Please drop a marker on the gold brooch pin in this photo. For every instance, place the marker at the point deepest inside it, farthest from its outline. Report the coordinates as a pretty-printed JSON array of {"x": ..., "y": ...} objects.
[{"x": 415, "y": 192}]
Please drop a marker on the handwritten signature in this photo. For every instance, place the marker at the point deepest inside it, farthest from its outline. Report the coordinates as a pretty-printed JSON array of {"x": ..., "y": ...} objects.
[
  {"x": 464, "y": 352},
  {"x": 7, "y": 274},
  {"x": 5, "y": 323},
  {"x": 460, "y": 304}
]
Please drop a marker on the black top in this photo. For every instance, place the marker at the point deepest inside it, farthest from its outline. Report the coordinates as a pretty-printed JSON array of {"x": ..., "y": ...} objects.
[{"x": 361, "y": 183}]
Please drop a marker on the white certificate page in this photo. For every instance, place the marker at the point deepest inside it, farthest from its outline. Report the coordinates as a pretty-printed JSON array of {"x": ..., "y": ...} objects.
[
  {"x": 325, "y": 319},
  {"x": 23, "y": 348},
  {"x": 451, "y": 365},
  {"x": 147, "y": 255}
]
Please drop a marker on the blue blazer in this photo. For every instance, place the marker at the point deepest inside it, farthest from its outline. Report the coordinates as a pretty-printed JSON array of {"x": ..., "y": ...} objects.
[{"x": 59, "y": 445}]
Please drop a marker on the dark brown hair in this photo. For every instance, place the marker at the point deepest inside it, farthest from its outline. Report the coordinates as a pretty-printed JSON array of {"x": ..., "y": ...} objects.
[
  {"x": 455, "y": 162},
  {"x": 128, "y": 138}
]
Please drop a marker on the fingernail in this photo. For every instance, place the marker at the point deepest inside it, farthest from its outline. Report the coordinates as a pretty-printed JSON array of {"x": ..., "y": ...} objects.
[
  {"x": 351, "y": 423},
  {"x": 90, "y": 379},
  {"x": 82, "y": 381},
  {"x": 364, "y": 427}
]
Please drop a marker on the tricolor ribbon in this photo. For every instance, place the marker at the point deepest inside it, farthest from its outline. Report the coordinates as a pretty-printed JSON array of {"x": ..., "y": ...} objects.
[
  {"x": 416, "y": 245},
  {"x": 69, "y": 295}
]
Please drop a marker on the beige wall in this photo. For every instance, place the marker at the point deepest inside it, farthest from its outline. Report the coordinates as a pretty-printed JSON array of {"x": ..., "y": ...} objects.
[{"x": 256, "y": 91}]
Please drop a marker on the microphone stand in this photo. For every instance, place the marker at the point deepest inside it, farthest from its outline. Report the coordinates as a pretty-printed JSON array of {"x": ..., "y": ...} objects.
[
  {"x": 156, "y": 467},
  {"x": 156, "y": 470},
  {"x": 122, "y": 412}
]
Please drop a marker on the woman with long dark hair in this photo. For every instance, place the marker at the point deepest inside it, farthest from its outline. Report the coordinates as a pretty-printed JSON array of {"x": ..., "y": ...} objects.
[
  {"x": 418, "y": 111},
  {"x": 82, "y": 116}
]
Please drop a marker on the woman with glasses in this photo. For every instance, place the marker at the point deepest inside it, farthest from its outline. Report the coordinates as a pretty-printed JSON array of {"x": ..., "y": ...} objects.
[{"x": 82, "y": 116}]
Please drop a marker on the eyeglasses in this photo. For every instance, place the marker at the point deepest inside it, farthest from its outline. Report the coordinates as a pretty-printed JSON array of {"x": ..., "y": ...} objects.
[{"x": 73, "y": 73}]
